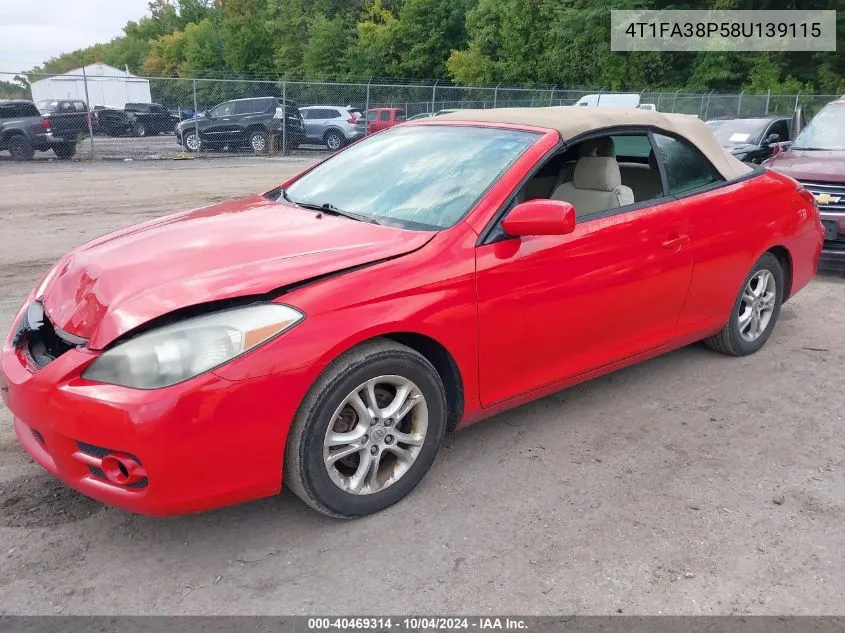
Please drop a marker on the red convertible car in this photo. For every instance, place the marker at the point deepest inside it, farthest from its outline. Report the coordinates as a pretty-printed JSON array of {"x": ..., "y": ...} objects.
[{"x": 328, "y": 333}]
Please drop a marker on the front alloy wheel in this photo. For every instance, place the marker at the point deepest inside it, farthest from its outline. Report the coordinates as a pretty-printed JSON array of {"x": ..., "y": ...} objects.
[
  {"x": 192, "y": 142},
  {"x": 375, "y": 435},
  {"x": 259, "y": 142},
  {"x": 368, "y": 430},
  {"x": 334, "y": 141}
]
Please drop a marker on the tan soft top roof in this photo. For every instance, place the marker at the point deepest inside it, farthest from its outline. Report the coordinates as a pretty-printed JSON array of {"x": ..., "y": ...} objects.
[{"x": 574, "y": 121}]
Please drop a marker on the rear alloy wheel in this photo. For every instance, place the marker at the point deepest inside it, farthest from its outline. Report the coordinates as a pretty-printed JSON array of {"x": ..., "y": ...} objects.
[
  {"x": 259, "y": 141},
  {"x": 334, "y": 140},
  {"x": 755, "y": 310},
  {"x": 367, "y": 432},
  {"x": 20, "y": 148},
  {"x": 140, "y": 130},
  {"x": 65, "y": 151},
  {"x": 192, "y": 142}
]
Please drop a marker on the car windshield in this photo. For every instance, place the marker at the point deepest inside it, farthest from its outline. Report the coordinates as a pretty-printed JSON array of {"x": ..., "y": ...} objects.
[
  {"x": 825, "y": 132},
  {"x": 47, "y": 106},
  {"x": 738, "y": 131},
  {"x": 417, "y": 177}
]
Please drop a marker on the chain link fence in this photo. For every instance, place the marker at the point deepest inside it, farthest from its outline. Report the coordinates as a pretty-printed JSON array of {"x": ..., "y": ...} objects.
[{"x": 122, "y": 130}]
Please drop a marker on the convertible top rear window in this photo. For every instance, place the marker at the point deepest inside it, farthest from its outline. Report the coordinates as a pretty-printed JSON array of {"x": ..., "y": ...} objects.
[{"x": 420, "y": 177}]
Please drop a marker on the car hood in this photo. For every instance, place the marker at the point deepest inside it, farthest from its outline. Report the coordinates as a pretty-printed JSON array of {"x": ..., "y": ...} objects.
[
  {"x": 822, "y": 166},
  {"x": 253, "y": 246}
]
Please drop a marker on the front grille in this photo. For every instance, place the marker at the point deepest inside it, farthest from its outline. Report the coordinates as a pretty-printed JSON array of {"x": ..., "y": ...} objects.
[{"x": 832, "y": 194}]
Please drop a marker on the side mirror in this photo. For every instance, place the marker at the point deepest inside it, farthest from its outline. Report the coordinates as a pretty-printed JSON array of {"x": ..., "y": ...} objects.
[
  {"x": 540, "y": 217},
  {"x": 772, "y": 138}
]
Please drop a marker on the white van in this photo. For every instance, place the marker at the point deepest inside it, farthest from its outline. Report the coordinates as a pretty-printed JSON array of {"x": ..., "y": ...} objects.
[{"x": 610, "y": 100}]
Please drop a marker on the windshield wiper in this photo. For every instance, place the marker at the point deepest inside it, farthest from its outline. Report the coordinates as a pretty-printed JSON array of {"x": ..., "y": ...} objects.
[{"x": 328, "y": 207}]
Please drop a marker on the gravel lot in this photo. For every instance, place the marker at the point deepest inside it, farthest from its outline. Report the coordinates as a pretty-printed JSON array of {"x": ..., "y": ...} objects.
[{"x": 691, "y": 484}]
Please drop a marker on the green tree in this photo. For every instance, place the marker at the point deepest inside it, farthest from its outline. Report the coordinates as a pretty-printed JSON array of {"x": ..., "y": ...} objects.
[{"x": 325, "y": 54}]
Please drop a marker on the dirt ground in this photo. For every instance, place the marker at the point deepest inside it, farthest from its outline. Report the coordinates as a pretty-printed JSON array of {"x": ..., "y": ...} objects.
[{"x": 691, "y": 484}]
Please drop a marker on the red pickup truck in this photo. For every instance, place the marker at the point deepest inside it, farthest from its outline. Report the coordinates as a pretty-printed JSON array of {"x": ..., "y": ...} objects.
[
  {"x": 817, "y": 160},
  {"x": 379, "y": 119}
]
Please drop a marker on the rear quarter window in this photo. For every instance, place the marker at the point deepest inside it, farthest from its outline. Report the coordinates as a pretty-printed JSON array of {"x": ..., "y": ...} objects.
[{"x": 686, "y": 168}]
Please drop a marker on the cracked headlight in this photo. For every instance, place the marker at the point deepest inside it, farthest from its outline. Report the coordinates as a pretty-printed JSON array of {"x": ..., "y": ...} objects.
[{"x": 176, "y": 352}]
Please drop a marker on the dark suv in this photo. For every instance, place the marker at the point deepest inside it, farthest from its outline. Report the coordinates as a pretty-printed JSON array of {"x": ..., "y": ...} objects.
[{"x": 244, "y": 123}]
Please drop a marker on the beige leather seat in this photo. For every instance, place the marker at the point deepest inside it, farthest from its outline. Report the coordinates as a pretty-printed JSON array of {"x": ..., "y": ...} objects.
[
  {"x": 596, "y": 183},
  {"x": 644, "y": 180}
]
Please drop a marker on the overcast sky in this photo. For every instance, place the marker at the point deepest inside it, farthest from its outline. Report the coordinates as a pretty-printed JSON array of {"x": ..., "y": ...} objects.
[{"x": 33, "y": 31}]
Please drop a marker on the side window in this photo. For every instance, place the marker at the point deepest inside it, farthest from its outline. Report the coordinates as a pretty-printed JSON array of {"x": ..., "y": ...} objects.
[
  {"x": 371, "y": 115},
  {"x": 686, "y": 168},
  {"x": 636, "y": 147},
  {"x": 385, "y": 115},
  {"x": 781, "y": 129},
  {"x": 246, "y": 107},
  {"x": 224, "y": 109}
]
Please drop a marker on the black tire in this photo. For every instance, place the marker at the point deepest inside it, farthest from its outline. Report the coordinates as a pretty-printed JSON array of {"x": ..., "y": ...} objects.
[
  {"x": 729, "y": 340},
  {"x": 65, "y": 151},
  {"x": 139, "y": 130},
  {"x": 304, "y": 470},
  {"x": 258, "y": 141},
  {"x": 20, "y": 148},
  {"x": 334, "y": 140}
]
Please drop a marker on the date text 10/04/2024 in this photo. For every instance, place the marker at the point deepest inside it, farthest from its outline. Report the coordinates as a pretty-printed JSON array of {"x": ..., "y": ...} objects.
[{"x": 416, "y": 623}]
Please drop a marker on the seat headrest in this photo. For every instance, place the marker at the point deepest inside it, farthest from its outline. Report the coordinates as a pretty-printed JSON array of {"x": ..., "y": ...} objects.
[
  {"x": 598, "y": 147},
  {"x": 598, "y": 173},
  {"x": 652, "y": 160}
]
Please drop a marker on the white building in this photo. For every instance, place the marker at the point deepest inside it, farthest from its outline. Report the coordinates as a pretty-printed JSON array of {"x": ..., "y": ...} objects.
[{"x": 107, "y": 86}]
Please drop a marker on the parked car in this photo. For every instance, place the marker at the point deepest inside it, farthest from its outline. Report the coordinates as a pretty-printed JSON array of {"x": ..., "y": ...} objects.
[
  {"x": 816, "y": 159},
  {"x": 421, "y": 115},
  {"x": 379, "y": 119},
  {"x": 24, "y": 130},
  {"x": 335, "y": 126},
  {"x": 610, "y": 100},
  {"x": 243, "y": 123},
  {"x": 751, "y": 140},
  {"x": 136, "y": 119},
  {"x": 68, "y": 117},
  {"x": 328, "y": 333}
]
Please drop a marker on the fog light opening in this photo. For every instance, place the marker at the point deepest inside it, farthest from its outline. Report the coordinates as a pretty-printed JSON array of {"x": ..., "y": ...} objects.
[{"x": 122, "y": 469}]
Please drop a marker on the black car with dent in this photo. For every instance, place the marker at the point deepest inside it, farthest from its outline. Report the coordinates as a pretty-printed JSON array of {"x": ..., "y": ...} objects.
[{"x": 751, "y": 140}]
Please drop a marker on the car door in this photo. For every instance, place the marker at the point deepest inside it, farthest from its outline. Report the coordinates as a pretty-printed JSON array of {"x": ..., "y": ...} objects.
[
  {"x": 159, "y": 118},
  {"x": 309, "y": 122},
  {"x": 323, "y": 121},
  {"x": 219, "y": 125},
  {"x": 554, "y": 307},
  {"x": 779, "y": 127},
  {"x": 728, "y": 231}
]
